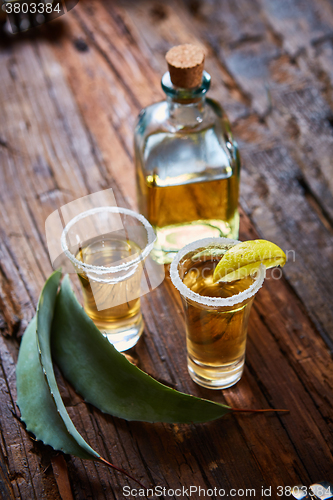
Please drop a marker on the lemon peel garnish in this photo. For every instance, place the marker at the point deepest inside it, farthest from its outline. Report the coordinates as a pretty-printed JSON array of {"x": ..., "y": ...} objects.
[{"x": 245, "y": 258}]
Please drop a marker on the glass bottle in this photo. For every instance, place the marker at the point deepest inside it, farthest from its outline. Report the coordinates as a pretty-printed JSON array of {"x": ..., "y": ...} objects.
[{"x": 187, "y": 162}]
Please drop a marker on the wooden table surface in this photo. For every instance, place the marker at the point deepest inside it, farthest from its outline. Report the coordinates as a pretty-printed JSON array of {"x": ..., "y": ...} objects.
[{"x": 70, "y": 93}]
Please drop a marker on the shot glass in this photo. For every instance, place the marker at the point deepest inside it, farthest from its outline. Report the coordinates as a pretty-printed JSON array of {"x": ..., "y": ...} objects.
[
  {"x": 216, "y": 314},
  {"x": 108, "y": 247}
]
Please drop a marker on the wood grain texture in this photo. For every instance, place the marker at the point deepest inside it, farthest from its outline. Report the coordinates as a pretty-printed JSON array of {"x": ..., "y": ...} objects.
[{"x": 69, "y": 97}]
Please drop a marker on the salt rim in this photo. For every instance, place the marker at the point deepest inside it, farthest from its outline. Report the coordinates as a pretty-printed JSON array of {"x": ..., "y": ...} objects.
[
  {"x": 102, "y": 269},
  {"x": 212, "y": 301}
]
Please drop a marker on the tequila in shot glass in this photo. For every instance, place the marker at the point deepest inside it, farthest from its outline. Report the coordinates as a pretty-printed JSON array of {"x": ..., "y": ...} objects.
[
  {"x": 216, "y": 314},
  {"x": 108, "y": 247}
]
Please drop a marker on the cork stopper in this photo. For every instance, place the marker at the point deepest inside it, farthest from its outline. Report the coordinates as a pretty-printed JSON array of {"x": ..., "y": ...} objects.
[{"x": 186, "y": 63}]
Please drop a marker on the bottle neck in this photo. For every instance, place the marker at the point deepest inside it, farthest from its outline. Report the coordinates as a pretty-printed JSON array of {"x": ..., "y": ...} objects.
[
  {"x": 186, "y": 106},
  {"x": 186, "y": 114}
]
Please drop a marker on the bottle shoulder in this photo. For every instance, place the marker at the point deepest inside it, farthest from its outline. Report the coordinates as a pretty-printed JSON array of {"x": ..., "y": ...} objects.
[
  {"x": 205, "y": 150},
  {"x": 156, "y": 118},
  {"x": 151, "y": 118}
]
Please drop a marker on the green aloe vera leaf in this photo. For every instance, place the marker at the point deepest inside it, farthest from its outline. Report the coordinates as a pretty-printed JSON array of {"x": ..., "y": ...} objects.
[
  {"x": 44, "y": 315},
  {"x": 38, "y": 396},
  {"x": 37, "y": 406},
  {"x": 106, "y": 379}
]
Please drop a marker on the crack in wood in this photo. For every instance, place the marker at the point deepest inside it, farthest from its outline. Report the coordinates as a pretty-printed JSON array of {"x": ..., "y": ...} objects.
[{"x": 91, "y": 36}]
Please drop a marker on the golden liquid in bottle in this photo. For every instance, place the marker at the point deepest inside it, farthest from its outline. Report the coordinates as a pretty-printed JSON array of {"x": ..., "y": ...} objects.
[{"x": 190, "y": 211}]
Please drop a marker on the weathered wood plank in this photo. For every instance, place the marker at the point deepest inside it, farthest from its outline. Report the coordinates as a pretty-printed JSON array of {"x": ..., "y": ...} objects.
[{"x": 69, "y": 131}]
